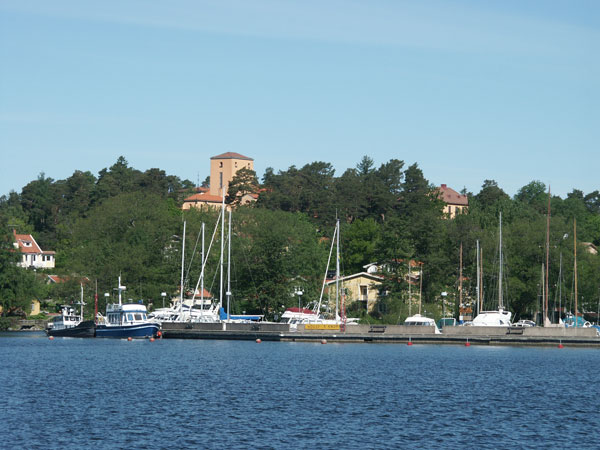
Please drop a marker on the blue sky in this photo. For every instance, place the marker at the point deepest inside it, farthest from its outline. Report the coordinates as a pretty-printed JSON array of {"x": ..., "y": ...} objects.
[{"x": 470, "y": 90}]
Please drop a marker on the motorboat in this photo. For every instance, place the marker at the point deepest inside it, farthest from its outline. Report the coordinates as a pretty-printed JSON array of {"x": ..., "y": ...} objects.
[
  {"x": 126, "y": 320},
  {"x": 499, "y": 318},
  {"x": 419, "y": 320},
  {"x": 70, "y": 324}
]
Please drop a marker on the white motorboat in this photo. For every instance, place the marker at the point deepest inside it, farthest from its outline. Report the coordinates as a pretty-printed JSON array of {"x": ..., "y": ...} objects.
[{"x": 422, "y": 321}]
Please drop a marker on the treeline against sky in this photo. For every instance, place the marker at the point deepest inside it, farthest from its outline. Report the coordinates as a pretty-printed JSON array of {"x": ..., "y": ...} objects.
[{"x": 129, "y": 223}]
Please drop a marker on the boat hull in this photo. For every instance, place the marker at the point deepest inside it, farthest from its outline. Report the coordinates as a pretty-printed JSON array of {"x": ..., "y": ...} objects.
[
  {"x": 85, "y": 329},
  {"x": 127, "y": 331}
]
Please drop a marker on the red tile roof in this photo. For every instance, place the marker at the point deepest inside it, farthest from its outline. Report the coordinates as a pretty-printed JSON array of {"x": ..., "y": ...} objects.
[
  {"x": 27, "y": 244},
  {"x": 205, "y": 198},
  {"x": 231, "y": 155},
  {"x": 452, "y": 197}
]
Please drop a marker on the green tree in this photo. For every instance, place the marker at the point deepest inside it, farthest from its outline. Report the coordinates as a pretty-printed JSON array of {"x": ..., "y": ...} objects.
[{"x": 244, "y": 182}]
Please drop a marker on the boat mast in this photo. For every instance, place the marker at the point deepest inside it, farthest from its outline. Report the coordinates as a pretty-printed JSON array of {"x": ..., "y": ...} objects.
[
  {"x": 500, "y": 304},
  {"x": 222, "y": 243},
  {"x": 560, "y": 288},
  {"x": 202, "y": 272},
  {"x": 547, "y": 260},
  {"x": 478, "y": 274},
  {"x": 460, "y": 279},
  {"x": 228, "y": 293},
  {"x": 120, "y": 289},
  {"x": 182, "y": 268},
  {"x": 81, "y": 301},
  {"x": 420, "y": 286},
  {"x": 575, "y": 264},
  {"x": 337, "y": 269},
  {"x": 318, "y": 306},
  {"x": 409, "y": 295},
  {"x": 481, "y": 279}
]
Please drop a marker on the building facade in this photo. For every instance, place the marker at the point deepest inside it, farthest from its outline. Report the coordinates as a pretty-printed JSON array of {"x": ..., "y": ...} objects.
[
  {"x": 455, "y": 203},
  {"x": 32, "y": 256}
]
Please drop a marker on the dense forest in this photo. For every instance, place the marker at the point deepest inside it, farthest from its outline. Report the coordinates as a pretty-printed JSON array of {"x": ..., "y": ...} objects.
[{"x": 129, "y": 223}]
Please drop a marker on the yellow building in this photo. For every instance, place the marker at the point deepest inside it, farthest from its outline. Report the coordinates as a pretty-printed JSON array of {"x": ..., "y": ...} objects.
[
  {"x": 35, "y": 308},
  {"x": 222, "y": 170},
  {"x": 360, "y": 287},
  {"x": 455, "y": 203}
]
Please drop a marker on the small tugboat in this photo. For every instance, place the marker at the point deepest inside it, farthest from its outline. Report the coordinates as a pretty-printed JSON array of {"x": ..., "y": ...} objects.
[
  {"x": 69, "y": 324},
  {"x": 126, "y": 320}
]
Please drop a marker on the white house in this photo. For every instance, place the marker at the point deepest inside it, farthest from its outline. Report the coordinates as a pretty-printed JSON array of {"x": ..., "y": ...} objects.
[{"x": 31, "y": 253}]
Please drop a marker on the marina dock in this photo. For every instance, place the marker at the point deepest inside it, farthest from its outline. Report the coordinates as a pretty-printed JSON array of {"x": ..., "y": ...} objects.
[{"x": 400, "y": 334}]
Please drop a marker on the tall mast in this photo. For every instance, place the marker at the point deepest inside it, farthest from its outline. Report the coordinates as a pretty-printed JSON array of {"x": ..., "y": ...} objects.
[
  {"x": 478, "y": 275},
  {"x": 81, "y": 301},
  {"x": 182, "y": 268},
  {"x": 500, "y": 303},
  {"x": 337, "y": 270},
  {"x": 560, "y": 288},
  {"x": 420, "y": 286},
  {"x": 575, "y": 263},
  {"x": 409, "y": 296},
  {"x": 460, "y": 287},
  {"x": 547, "y": 260},
  {"x": 222, "y": 244},
  {"x": 481, "y": 279},
  {"x": 228, "y": 266},
  {"x": 202, "y": 272}
]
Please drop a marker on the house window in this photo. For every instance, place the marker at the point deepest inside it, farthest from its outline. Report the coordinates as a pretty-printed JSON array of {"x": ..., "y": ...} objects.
[
  {"x": 235, "y": 163},
  {"x": 221, "y": 164},
  {"x": 221, "y": 180},
  {"x": 364, "y": 295}
]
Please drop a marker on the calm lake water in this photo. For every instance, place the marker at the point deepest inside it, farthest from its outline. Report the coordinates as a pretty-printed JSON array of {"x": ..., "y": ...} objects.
[{"x": 104, "y": 393}]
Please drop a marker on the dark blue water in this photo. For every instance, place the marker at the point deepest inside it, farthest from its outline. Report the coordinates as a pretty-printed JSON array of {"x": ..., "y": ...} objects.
[{"x": 103, "y": 393}]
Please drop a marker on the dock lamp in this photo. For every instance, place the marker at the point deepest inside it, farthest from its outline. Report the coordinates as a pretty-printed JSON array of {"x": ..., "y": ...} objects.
[
  {"x": 299, "y": 293},
  {"x": 163, "y": 295}
]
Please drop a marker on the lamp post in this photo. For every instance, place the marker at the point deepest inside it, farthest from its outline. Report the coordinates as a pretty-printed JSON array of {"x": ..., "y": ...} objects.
[
  {"x": 299, "y": 293},
  {"x": 163, "y": 295}
]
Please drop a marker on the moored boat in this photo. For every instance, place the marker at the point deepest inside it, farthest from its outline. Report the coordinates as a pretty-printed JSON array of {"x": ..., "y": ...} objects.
[
  {"x": 69, "y": 324},
  {"x": 126, "y": 320},
  {"x": 419, "y": 320}
]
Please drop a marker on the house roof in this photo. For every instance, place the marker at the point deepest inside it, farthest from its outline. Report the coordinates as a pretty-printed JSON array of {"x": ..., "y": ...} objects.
[
  {"x": 27, "y": 244},
  {"x": 357, "y": 275},
  {"x": 231, "y": 155},
  {"x": 205, "y": 198},
  {"x": 451, "y": 197}
]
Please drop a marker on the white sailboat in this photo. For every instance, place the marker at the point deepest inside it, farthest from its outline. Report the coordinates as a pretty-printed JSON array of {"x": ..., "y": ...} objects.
[
  {"x": 418, "y": 319},
  {"x": 297, "y": 315},
  {"x": 500, "y": 317}
]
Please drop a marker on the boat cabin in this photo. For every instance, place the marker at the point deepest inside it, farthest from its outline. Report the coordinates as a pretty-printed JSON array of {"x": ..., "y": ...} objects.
[{"x": 125, "y": 314}]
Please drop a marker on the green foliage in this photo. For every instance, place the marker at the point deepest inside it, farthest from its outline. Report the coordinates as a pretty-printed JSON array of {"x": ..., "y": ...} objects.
[{"x": 128, "y": 222}]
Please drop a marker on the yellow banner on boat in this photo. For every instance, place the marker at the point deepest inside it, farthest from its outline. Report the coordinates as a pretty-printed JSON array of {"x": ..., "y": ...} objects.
[{"x": 321, "y": 326}]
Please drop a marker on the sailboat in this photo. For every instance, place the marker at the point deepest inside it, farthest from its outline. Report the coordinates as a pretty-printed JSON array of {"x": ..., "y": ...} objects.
[
  {"x": 418, "y": 319},
  {"x": 500, "y": 317},
  {"x": 298, "y": 315}
]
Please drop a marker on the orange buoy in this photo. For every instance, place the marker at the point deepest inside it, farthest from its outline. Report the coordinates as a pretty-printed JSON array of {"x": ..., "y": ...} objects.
[
  {"x": 51, "y": 338},
  {"x": 130, "y": 338},
  {"x": 467, "y": 344},
  {"x": 560, "y": 345},
  {"x": 151, "y": 339},
  {"x": 258, "y": 341},
  {"x": 159, "y": 333},
  {"x": 409, "y": 341},
  {"x": 323, "y": 341}
]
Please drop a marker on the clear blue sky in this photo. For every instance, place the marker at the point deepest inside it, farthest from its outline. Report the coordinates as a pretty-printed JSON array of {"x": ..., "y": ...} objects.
[{"x": 469, "y": 89}]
